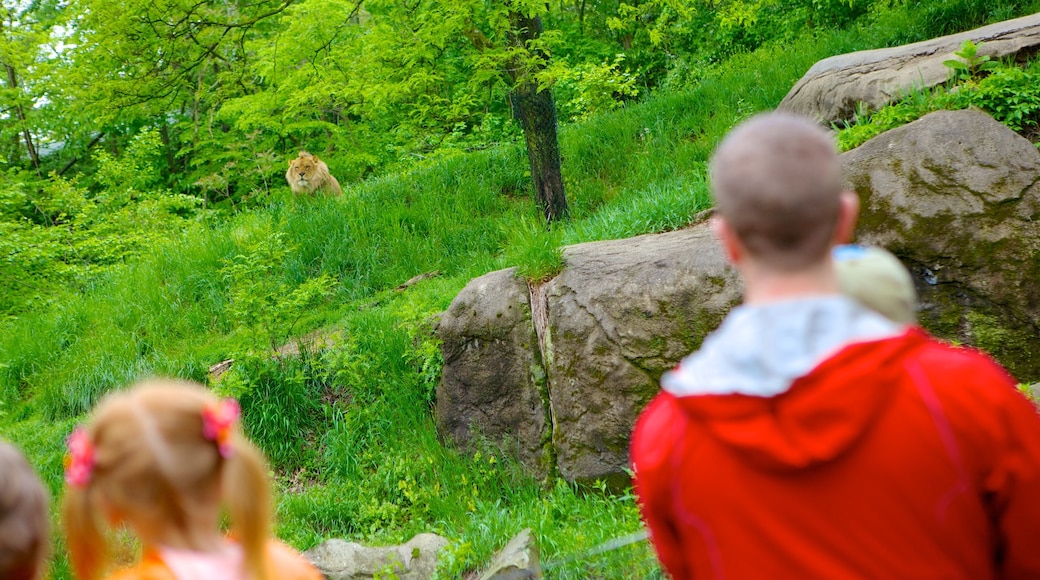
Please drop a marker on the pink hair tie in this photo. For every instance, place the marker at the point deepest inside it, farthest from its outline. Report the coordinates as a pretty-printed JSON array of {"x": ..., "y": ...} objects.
[
  {"x": 217, "y": 421},
  {"x": 79, "y": 462}
]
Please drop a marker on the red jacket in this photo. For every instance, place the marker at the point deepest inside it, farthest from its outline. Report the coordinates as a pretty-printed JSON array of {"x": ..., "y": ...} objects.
[{"x": 896, "y": 458}]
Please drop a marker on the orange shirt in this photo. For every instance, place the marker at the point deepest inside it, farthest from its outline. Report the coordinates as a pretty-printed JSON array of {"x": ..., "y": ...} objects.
[{"x": 286, "y": 564}]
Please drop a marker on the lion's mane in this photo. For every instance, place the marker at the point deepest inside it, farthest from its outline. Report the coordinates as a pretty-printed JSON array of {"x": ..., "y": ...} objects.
[{"x": 308, "y": 174}]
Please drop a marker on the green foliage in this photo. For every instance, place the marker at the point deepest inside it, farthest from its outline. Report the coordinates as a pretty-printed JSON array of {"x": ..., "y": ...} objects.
[
  {"x": 1010, "y": 93},
  {"x": 535, "y": 249},
  {"x": 265, "y": 305},
  {"x": 349, "y": 425},
  {"x": 866, "y": 125},
  {"x": 282, "y": 407},
  {"x": 57, "y": 233},
  {"x": 590, "y": 89},
  {"x": 971, "y": 63}
]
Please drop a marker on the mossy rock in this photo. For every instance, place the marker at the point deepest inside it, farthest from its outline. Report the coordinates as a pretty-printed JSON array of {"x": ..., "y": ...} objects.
[{"x": 956, "y": 195}]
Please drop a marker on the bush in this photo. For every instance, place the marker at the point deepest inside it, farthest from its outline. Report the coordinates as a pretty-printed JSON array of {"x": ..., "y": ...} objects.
[{"x": 1011, "y": 94}]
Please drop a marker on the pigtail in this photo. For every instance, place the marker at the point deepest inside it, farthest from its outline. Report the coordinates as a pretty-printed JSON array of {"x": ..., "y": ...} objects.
[
  {"x": 247, "y": 494},
  {"x": 88, "y": 549}
]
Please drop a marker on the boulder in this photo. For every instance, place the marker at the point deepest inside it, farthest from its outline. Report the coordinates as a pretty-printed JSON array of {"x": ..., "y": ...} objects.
[
  {"x": 833, "y": 88},
  {"x": 517, "y": 561},
  {"x": 493, "y": 380},
  {"x": 956, "y": 195},
  {"x": 620, "y": 314},
  {"x": 342, "y": 560}
]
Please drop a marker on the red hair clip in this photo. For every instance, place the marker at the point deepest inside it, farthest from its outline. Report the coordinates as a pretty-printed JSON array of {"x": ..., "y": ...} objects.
[
  {"x": 217, "y": 421},
  {"x": 79, "y": 462}
]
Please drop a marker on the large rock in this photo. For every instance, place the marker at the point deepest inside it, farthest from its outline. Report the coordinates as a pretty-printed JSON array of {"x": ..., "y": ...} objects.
[
  {"x": 620, "y": 314},
  {"x": 342, "y": 560},
  {"x": 832, "y": 89},
  {"x": 517, "y": 561},
  {"x": 493, "y": 379},
  {"x": 956, "y": 195}
]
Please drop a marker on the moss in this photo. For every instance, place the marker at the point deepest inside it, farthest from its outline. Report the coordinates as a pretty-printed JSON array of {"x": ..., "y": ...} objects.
[
  {"x": 1013, "y": 347},
  {"x": 989, "y": 334},
  {"x": 954, "y": 313},
  {"x": 658, "y": 344}
]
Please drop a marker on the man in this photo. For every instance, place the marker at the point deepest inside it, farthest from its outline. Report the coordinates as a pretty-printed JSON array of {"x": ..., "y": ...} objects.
[{"x": 811, "y": 437}]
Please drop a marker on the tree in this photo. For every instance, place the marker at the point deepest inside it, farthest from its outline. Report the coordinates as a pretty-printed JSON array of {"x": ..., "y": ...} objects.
[
  {"x": 536, "y": 112},
  {"x": 167, "y": 65},
  {"x": 23, "y": 30},
  {"x": 506, "y": 53}
]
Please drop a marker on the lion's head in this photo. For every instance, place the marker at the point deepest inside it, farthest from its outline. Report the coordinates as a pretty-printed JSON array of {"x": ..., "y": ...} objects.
[{"x": 307, "y": 174}]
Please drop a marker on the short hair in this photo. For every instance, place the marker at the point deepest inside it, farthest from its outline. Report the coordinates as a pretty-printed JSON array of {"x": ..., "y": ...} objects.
[
  {"x": 878, "y": 280},
  {"x": 24, "y": 523},
  {"x": 777, "y": 183}
]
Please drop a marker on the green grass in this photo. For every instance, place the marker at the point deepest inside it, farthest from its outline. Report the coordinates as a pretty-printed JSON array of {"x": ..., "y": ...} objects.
[{"x": 350, "y": 429}]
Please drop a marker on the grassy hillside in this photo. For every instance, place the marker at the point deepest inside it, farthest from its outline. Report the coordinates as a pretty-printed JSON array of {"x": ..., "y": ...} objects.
[{"x": 349, "y": 428}]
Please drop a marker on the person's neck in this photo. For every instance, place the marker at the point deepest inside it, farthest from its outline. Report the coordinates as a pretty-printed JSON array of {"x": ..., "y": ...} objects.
[{"x": 764, "y": 285}]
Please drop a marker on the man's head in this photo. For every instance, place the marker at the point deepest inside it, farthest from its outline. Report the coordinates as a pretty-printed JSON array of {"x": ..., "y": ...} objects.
[{"x": 777, "y": 185}]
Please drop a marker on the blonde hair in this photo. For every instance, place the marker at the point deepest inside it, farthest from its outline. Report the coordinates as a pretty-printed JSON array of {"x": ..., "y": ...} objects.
[
  {"x": 24, "y": 525},
  {"x": 777, "y": 183},
  {"x": 152, "y": 460},
  {"x": 875, "y": 278}
]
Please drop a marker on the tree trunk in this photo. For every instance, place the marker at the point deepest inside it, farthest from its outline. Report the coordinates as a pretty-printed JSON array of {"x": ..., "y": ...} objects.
[
  {"x": 12, "y": 82},
  {"x": 536, "y": 112}
]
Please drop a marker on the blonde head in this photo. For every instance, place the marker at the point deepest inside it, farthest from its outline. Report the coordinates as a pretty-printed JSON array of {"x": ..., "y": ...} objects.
[
  {"x": 308, "y": 174},
  {"x": 777, "y": 183},
  {"x": 153, "y": 464},
  {"x": 24, "y": 525}
]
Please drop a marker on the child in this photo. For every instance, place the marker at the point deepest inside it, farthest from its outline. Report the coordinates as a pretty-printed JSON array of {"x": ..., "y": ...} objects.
[
  {"x": 24, "y": 525},
  {"x": 164, "y": 458},
  {"x": 878, "y": 280}
]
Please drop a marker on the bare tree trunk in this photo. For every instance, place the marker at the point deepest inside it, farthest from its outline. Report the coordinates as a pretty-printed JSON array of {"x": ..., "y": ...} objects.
[
  {"x": 12, "y": 82},
  {"x": 536, "y": 112},
  {"x": 90, "y": 146},
  {"x": 171, "y": 158}
]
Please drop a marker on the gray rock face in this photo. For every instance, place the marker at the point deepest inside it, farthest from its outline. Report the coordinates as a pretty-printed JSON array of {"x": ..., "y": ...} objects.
[
  {"x": 517, "y": 561},
  {"x": 956, "y": 195},
  {"x": 831, "y": 90},
  {"x": 493, "y": 370},
  {"x": 620, "y": 314},
  {"x": 342, "y": 560}
]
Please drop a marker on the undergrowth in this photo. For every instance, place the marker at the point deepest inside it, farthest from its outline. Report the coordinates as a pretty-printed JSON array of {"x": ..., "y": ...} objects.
[
  {"x": 349, "y": 426},
  {"x": 1008, "y": 92}
]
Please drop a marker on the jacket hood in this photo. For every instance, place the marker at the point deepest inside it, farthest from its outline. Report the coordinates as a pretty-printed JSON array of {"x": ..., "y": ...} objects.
[{"x": 793, "y": 384}]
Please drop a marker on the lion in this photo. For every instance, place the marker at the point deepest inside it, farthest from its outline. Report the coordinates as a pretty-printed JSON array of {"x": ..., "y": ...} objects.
[{"x": 307, "y": 174}]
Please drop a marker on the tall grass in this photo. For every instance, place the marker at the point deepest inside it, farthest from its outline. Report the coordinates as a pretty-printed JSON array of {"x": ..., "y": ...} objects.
[{"x": 350, "y": 430}]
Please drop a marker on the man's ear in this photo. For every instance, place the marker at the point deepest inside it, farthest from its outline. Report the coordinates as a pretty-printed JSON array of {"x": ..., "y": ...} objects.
[
  {"x": 728, "y": 238},
  {"x": 848, "y": 213}
]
